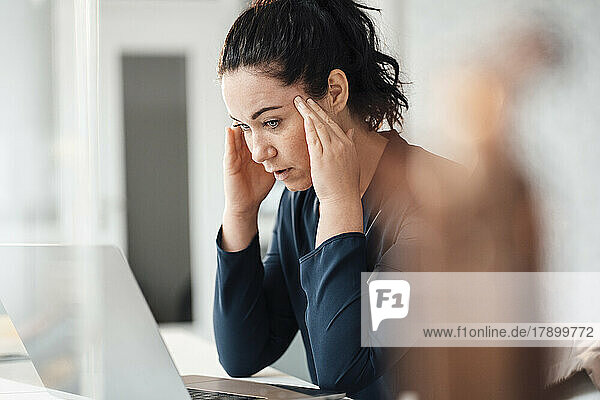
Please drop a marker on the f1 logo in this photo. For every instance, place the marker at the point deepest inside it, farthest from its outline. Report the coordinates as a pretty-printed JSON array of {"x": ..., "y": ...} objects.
[{"x": 389, "y": 299}]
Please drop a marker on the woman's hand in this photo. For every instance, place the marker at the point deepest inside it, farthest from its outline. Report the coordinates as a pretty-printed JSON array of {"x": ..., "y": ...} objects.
[
  {"x": 334, "y": 166},
  {"x": 335, "y": 172},
  {"x": 246, "y": 182}
]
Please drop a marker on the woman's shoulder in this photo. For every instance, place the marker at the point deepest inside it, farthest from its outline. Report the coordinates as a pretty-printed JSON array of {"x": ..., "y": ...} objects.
[
  {"x": 412, "y": 154},
  {"x": 408, "y": 174},
  {"x": 415, "y": 166}
]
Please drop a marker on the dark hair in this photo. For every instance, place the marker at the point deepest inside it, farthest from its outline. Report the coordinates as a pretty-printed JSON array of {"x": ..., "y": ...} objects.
[{"x": 302, "y": 41}]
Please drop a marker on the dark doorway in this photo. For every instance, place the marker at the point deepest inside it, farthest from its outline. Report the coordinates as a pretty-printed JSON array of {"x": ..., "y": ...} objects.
[{"x": 156, "y": 152}]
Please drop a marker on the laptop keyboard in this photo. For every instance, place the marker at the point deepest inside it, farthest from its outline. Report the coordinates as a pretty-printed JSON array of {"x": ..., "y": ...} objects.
[{"x": 198, "y": 394}]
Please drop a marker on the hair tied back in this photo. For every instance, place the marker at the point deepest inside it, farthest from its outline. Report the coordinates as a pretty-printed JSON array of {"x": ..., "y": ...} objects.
[{"x": 302, "y": 41}]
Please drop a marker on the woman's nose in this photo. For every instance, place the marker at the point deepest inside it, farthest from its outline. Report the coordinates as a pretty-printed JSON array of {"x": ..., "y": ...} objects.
[{"x": 262, "y": 150}]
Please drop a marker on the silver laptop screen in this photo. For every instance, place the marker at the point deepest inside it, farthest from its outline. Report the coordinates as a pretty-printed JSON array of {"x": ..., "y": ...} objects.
[{"x": 84, "y": 323}]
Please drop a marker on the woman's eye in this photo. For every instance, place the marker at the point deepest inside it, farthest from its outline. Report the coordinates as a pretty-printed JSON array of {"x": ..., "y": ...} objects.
[{"x": 272, "y": 123}]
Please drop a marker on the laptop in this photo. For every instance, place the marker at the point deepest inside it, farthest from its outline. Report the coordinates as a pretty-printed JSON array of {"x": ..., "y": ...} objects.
[{"x": 88, "y": 332}]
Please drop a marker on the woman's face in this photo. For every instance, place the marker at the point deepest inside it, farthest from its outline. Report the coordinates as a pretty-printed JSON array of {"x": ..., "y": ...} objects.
[{"x": 272, "y": 126}]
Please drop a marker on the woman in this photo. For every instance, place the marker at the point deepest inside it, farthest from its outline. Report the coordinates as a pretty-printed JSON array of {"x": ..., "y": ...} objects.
[{"x": 307, "y": 89}]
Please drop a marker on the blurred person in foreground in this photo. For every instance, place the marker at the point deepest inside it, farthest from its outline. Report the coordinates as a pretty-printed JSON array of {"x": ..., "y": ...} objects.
[
  {"x": 490, "y": 223},
  {"x": 486, "y": 223}
]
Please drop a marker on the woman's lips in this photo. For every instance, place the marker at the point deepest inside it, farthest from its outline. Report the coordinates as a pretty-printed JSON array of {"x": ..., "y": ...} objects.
[{"x": 283, "y": 174}]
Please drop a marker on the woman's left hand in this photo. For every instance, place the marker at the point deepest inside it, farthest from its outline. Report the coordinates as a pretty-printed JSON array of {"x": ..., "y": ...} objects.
[{"x": 334, "y": 166}]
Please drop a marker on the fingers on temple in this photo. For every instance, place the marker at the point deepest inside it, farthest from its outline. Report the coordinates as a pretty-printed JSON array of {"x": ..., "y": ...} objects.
[
  {"x": 321, "y": 128},
  {"x": 313, "y": 139},
  {"x": 313, "y": 124},
  {"x": 326, "y": 118}
]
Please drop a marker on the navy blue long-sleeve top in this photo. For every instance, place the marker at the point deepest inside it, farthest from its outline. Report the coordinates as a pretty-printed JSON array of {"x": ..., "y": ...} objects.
[{"x": 261, "y": 304}]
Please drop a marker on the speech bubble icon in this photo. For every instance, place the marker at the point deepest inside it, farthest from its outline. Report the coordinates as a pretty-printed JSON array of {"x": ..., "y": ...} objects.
[{"x": 389, "y": 299}]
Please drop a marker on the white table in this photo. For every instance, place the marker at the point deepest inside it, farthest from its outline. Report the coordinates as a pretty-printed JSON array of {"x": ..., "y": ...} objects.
[{"x": 194, "y": 355}]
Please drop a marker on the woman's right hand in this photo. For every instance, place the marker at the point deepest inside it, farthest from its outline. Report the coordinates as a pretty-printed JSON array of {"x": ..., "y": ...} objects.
[{"x": 246, "y": 182}]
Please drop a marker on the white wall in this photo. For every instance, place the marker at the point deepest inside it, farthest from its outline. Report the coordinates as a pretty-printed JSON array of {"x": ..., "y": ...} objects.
[{"x": 28, "y": 199}]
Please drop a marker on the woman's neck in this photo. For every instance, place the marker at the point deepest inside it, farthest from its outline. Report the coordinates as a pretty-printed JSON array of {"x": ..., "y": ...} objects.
[{"x": 369, "y": 147}]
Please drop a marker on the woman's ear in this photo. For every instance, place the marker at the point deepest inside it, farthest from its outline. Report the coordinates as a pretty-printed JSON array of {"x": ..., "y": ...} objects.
[{"x": 337, "y": 91}]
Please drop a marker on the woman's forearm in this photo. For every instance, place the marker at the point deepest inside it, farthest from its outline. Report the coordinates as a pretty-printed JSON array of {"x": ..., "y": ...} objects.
[
  {"x": 336, "y": 218},
  {"x": 238, "y": 230},
  {"x": 253, "y": 318}
]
